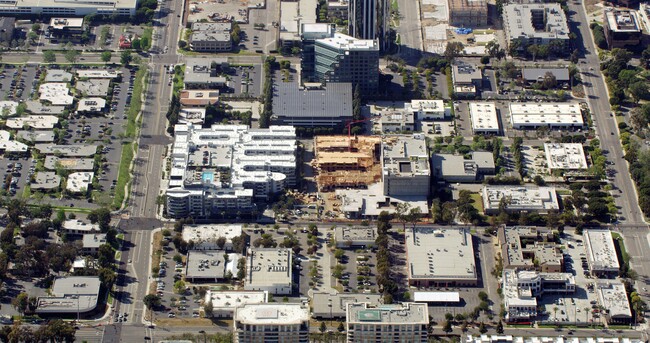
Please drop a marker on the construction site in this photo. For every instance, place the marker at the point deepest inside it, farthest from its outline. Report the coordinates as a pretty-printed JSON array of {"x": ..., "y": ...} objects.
[{"x": 346, "y": 162}]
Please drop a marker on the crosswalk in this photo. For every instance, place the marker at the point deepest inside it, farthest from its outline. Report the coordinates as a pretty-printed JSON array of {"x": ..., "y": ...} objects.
[{"x": 90, "y": 335}]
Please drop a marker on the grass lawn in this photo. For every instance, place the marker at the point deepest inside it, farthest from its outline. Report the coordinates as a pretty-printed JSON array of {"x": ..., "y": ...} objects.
[
  {"x": 123, "y": 176},
  {"x": 477, "y": 202},
  {"x": 27, "y": 192},
  {"x": 136, "y": 101}
]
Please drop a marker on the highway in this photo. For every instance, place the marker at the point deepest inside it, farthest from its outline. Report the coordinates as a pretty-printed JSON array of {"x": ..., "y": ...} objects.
[{"x": 631, "y": 224}]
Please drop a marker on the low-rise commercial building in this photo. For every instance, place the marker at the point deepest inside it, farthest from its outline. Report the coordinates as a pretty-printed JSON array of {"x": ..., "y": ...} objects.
[
  {"x": 529, "y": 248},
  {"x": 622, "y": 28},
  {"x": 211, "y": 236},
  {"x": 519, "y": 198},
  {"x": 93, "y": 87},
  {"x": 484, "y": 118},
  {"x": 70, "y": 150},
  {"x": 355, "y": 236},
  {"x": 202, "y": 73},
  {"x": 66, "y": 27},
  {"x": 79, "y": 182},
  {"x": 37, "y": 122},
  {"x": 57, "y": 75},
  {"x": 405, "y": 166},
  {"x": 211, "y": 266},
  {"x": 330, "y": 106},
  {"x": 70, "y": 295},
  {"x": 98, "y": 74},
  {"x": 397, "y": 121},
  {"x": 565, "y": 156},
  {"x": 467, "y": 79},
  {"x": 329, "y": 306},
  {"x": 440, "y": 258},
  {"x": 56, "y": 93},
  {"x": 370, "y": 202},
  {"x": 455, "y": 168},
  {"x": 37, "y": 107},
  {"x": 211, "y": 37},
  {"x": 91, "y": 105},
  {"x": 9, "y": 145},
  {"x": 36, "y": 136},
  {"x": 70, "y": 163},
  {"x": 613, "y": 299},
  {"x": 601, "y": 252},
  {"x": 428, "y": 109},
  {"x": 269, "y": 270},
  {"x": 8, "y": 108},
  {"x": 532, "y": 115},
  {"x": 521, "y": 288},
  {"x": 191, "y": 115},
  {"x": 406, "y": 322},
  {"x": 224, "y": 303},
  {"x": 198, "y": 98},
  {"x": 534, "y": 75},
  {"x": 91, "y": 242},
  {"x": 539, "y": 24},
  {"x": 272, "y": 322},
  {"x": 78, "y": 227},
  {"x": 46, "y": 181}
]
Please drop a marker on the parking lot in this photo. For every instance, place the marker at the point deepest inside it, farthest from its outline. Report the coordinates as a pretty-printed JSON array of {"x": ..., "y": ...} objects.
[{"x": 246, "y": 80}]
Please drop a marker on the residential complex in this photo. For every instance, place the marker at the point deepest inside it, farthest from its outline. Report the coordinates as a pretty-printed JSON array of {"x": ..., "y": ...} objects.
[
  {"x": 225, "y": 167},
  {"x": 342, "y": 161},
  {"x": 539, "y": 23},
  {"x": 272, "y": 322},
  {"x": 69, "y": 8},
  {"x": 622, "y": 28},
  {"x": 406, "y": 322},
  {"x": 519, "y": 198},
  {"x": 440, "y": 258}
]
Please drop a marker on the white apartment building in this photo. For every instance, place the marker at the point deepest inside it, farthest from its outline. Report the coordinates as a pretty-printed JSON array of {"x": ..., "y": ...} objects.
[
  {"x": 406, "y": 322},
  {"x": 68, "y": 8},
  {"x": 272, "y": 322},
  {"x": 224, "y": 167}
]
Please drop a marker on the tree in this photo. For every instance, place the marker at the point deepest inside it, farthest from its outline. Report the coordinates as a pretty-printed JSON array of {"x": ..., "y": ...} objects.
[
  {"x": 638, "y": 120},
  {"x": 322, "y": 327},
  {"x": 61, "y": 331},
  {"x": 105, "y": 256},
  {"x": 447, "y": 327},
  {"x": 401, "y": 213},
  {"x": 639, "y": 91},
  {"x": 106, "y": 56},
  {"x": 32, "y": 36},
  {"x": 36, "y": 27},
  {"x": 151, "y": 301},
  {"x": 449, "y": 211},
  {"x": 20, "y": 303},
  {"x": 126, "y": 58},
  {"x": 135, "y": 44},
  {"x": 49, "y": 56},
  {"x": 341, "y": 327},
  {"x": 208, "y": 309},
  {"x": 500, "y": 328},
  {"x": 485, "y": 60},
  {"x": 179, "y": 286},
  {"x": 453, "y": 50},
  {"x": 483, "y": 296},
  {"x": 338, "y": 254},
  {"x": 107, "y": 277},
  {"x": 102, "y": 217},
  {"x": 144, "y": 43},
  {"x": 533, "y": 50},
  {"x": 492, "y": 47},
  {"x": 436, "y": 211},
  {"x": 71, "y": 55},
  {"x": 221, "y": 242},
  {"x": 482, "y": 328},
  {"x": 549, "y": 81}
]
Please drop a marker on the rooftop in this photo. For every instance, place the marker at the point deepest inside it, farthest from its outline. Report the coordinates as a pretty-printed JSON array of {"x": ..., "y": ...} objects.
[
  {"x": 335, "y": 100},
  {"x": 91, "y": 105},
  {"x": 405, "y": 155},
  {"x": 465, "y": 73},
  {"x": 210, "y": 264},
  {"x": 519, "y": 198},
  {"x": 46, "y": 180},
  {"x": 612, "y": 296},
  {"x": 565, "y": 156},
  {"x": 453, "y": 166},
  {"x": 8, "y": 108},
  {"x": 69, "y": 163},
  {"x": 267, "y": 267},
  {"x": 55, "y": 93},
  {"x": 199, "y": 70},
  {"x": 327, "y": 305},
  {"x": 405, "y": 313},
  {"x": 36, "y": 107},
  {"x": 79, "y": 182},
  {"x": 440, "y": 254},
  {"x": 484, "y": 116},
  {"x": 621, "y": 20},
  {"x": 271, "y": 314},
  {"x": 36, "y": 136},
  {"x": 61, "y": 23},
  {"x": 522, "y": 244},
  {"x": 601, "y": 251},
  {"x": 58, "y": 75},
  {"x": 205, "y": 236},
  {"x": 344, "y": 42},
  {"x": 93, "y": 87},
  {"x": 93, "y": 240},
  {"x": 355, "y": 233},
  {"x": 71, "y": 295},
  {"x": 542, "y": 21},
  {"x": 37, "y": 122},
  {"x": 70, "y": 150},
  {"x": 229, "y": 300},
  {"x": 536, "y": 74},
  {"x": 9, "y": 145},
  {"x": 98, "y": 73},
  {"x": 372, "y": 201},
  {"x": 201, "y": 97},
  {"x": 78, "y": 225}
]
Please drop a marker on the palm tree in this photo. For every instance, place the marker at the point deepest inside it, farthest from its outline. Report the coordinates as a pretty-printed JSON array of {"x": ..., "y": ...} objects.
[{"x": 555, "y": 312}]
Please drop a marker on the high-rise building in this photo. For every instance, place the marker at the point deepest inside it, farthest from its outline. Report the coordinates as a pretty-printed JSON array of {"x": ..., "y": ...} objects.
[
  {"x": 271, "y": 323},
  {"x": 328, "y": 56},
  {"x": 368, "y": 19}
]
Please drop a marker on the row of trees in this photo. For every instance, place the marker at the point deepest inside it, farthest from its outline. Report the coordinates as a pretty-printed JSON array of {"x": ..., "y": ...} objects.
[
  {"x": 267, "y": 92},
  {"x": 55, "y": 331}
]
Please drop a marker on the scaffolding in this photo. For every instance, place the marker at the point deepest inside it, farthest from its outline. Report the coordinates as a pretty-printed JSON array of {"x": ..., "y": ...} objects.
[{"x": 468, "y": 13}]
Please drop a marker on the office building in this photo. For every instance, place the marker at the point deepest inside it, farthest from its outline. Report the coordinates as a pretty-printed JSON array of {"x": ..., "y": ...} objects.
[
  {"x": 70, "y": 150},
  {"x": 294, "y": 15},
  {"x": 519, "y": 198},
  {"x": 338, "y": 9},
  {"x": 355, "y": 236},
  {"x": 613, "y": 299},
  {"x": 91, "y": 242},
  {"x": 78, "y": 227},
  {"x": 310, "y": 33},
  {"x": 368, "y": 19},
  {"x": 7, "y": 26},
  {"x": 224, "y": 167},
  {"x": 79, "y": 182},
  {"x": 198, "y": 98},
  {"x": 56, "y": 93},
  {"x": 396, "y": 121},
  {"x": 70, "y": 295},
  {"x": 532, "y": 115},
  {"x": 77, "y": 8},
  {"x": 522, "y": 288},
  {"x": 468, "y": 13},
  {"x": 272, "y": 322},
  {"x": 9, "y": 145},
  {"x": 484, "y": 118},
  {"x": 405, "y": 166},
  {"x": 601, "y": 252},
  {"x": 467, "y": 79},
  {"x": 329, "y": 106},
  {"x": 341, "y": 58},
  {"x": 269, "y": 270},
  {"x": 428, "y": 109},
  {"x": 565, "y": 156},
  {"x": 211, "y": 236},
  {"x": 529, "y": 248},
  {"x": 46, "y": 181},
  {"x": 36, "y": 136},
  {"x": 224, "y": 303},
  {"x": 202, "y": 73},
  {"x": 534, "y": 75},
  {"x": 440, "y": 258},
  {"x": 211, "y": 266},
  {"x": 406, "y": 322},
  {"x": 329, "y": 306},
  {"x": 538, "y": 23},
  {"x": 455, "y": 168},
  {"x": 622, "y": 28},
  {"x": 91, "y": 105},
  {"x": 211, "y": 37},
  {"x": 370, "y": 202},
  {"x": 36, "y": 122},
  {"x": 66, "y": 27}
]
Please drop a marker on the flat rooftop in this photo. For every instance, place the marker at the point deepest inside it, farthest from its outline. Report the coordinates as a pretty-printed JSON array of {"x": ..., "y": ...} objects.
[
  {"x": 405, "y": 155},
  {"x": 36, "y": 107},
  {"x": 334, "y": 305},
  {"x": 267, "y": 267},
  {"x": 70, "y": 163},
  {"x": 57, "y": 75},
  {"x": 62, "y": 23},
  {"x": 484, "y": 116},
  {"x": 344, "y": 42},
  {"x": 79, "y": 182},
  {"x": 532, "y": 113},
  {"x": 205, "y": 236},
  {"x": 601, "y": 251},
  {"x": 405, "y": 313},
  {"x": 335, "y": 100},
  {"x": 210, "y": 264},
  {"x": 71, "y": 150},
  {"x": 520, "y": 198},
  {"x": 440, "y": 254},
  {"x": 612, "y": 296},
  {"x": 46, "y": 181},
  {"x": 356, "y": 233},
  {"x": 36, "y": 136},
  {"x": 98, "y": 73},
  {"x": 93, "y": 240},
  {"x": 465, "y": 73},
  {"x": 56, "y": 93},
  {"x": 271, "y": 314},
  {"x": 620, "y": 20},
  {"x": 93, "y": 87},
  {"x": 535, "y": 74},
  {"x": 229, "y": 300},
  {"x": 71, "y": 295},
  {"x": 38, "y": 122},
  {"x": 542, "y": 21},
  {"x": 565, "y": 156}
]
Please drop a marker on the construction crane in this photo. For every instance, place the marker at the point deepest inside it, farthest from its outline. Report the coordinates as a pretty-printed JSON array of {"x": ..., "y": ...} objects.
[{"x": 349, "y": 125}]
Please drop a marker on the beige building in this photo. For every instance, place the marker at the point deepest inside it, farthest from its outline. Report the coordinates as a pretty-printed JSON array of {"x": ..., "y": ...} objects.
[
  {"x": 271, "y": 322},
  {"x": 406, "y": 322}
]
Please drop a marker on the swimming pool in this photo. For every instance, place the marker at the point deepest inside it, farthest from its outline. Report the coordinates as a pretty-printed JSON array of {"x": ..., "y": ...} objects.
[{"x": 207, "y": 176}]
